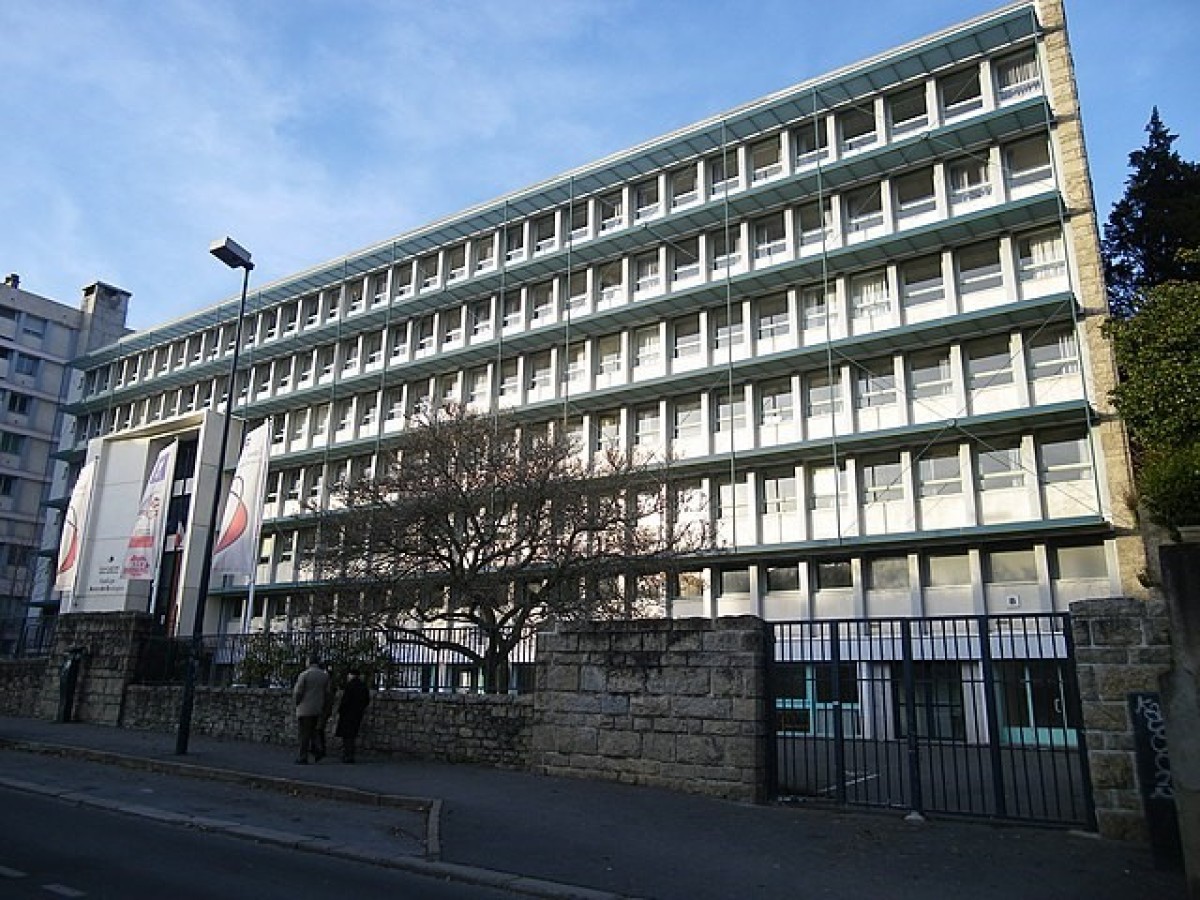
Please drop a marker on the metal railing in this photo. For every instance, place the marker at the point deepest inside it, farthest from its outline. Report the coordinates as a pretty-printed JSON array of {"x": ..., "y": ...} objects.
[
  {"x": 977, "y": 716},
  {"x": 391, "y": 659},
  {"x": 27, "y": 638}
]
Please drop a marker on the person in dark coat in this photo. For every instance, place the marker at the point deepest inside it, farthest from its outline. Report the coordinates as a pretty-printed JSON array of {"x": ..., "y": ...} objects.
[
  {"x": 350, "y": 713},
  {"x": 310, "y": 694}
]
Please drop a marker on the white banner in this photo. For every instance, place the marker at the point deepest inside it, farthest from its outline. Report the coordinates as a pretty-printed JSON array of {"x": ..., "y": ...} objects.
[
  {"x": 145, "y": 541},
  {"x": 70, "y": 546},
  {"x": 236, "y": 549}
]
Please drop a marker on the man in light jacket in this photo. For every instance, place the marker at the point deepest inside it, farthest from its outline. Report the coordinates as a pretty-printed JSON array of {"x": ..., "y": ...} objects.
[{"x": 310, "y": 694}]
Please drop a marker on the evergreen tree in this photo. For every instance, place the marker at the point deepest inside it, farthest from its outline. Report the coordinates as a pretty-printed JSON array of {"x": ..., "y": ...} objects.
[{"x": 1158, "y": 217}]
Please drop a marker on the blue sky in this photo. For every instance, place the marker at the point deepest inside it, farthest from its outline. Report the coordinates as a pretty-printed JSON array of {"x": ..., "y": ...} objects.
[{"x": 137, "y": 132}]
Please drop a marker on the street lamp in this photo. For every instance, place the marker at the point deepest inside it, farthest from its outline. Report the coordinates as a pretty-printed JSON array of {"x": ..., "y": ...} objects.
[{"x": 235, "y": 256}]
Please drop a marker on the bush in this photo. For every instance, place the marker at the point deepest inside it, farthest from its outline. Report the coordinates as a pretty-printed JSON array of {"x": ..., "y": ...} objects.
[{"x": 1170, "y": 486}]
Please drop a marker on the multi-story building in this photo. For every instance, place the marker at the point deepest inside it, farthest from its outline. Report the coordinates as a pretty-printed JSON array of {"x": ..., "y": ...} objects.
[
  {"x": 38, "y": 338},
  {"x": 859, "y": 315}
]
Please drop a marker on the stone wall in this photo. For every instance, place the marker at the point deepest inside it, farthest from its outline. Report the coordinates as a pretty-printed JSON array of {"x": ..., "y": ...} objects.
[
  {"x": 680, "y": 704},
  {"x": 112, "y": 645},
  {"x": 1122, "y": 646},
  {"x": 465, "y": 728},
  {"x": 21, "y": 683}
]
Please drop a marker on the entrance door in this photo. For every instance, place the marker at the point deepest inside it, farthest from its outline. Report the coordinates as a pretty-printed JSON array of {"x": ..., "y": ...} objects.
[{"x": 1034, "y": 711}]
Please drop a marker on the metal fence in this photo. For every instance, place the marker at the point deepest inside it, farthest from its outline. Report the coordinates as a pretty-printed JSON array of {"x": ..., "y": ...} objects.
[
  {"x": 392, "y": 659},
  {"x": 976, "y": 716},
  {"x": 27, "y": 638}
]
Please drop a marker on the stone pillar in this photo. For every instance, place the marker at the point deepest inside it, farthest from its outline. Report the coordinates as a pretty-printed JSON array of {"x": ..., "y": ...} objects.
[
  {"x": 112, "y": 645},
  {"x": 674, "y": 703},
  {"x": 1122, "y": 646},
  {"x": 1181, "y": 583}
]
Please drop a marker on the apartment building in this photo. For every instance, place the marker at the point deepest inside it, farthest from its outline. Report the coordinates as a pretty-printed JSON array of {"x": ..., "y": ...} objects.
[
  {"x": 860, "y": 316},
  {"x": 38, "y": 338}
]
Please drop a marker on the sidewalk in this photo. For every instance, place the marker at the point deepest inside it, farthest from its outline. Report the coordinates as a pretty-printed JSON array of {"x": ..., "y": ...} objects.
[{"x": 562, "y": 837}]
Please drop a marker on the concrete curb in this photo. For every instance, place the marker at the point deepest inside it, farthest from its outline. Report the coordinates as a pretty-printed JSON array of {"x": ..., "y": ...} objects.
[{"x": 430, "y": 866}]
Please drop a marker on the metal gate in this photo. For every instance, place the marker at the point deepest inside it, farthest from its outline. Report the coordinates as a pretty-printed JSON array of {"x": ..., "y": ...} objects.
[{"x": 975, "y": 715}]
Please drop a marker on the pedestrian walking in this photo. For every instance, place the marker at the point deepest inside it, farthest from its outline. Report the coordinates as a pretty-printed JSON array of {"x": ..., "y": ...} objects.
[
  {"x": 310, "y": 695},
  {"x": 355, "y": 698},
  {"x": 319, "y": 744}
]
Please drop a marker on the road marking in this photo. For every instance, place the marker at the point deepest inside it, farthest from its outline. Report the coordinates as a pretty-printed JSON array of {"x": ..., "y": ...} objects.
[
  {"x": 63, "y": 891},
  {"x": 6, "y": 872}
]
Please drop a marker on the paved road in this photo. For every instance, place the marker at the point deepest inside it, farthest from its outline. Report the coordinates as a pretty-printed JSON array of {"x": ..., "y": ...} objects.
[
  {"x": 573, "y": 838},
  {"x": 95, "y": 854}
]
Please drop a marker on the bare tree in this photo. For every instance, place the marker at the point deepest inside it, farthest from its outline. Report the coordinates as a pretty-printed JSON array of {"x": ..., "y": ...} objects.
[{"x": 475, "y": 521}]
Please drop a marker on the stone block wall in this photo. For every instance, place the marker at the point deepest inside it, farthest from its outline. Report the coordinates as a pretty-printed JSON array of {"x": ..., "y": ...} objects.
[
  {"x": 680, "y": 704},
  {"x": 1122, "y": 646},
  {"x": 21, "y": 683},
  {"x": 112, "y": 644},
  {"x": 465, "y": 728}
]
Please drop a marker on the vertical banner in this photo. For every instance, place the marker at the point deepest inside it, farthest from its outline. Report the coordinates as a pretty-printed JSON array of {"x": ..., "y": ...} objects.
[
  {"x": 74, "y": 521},
  {"x": 236, "y": 549},
  {"x": 145, "y": 541}
]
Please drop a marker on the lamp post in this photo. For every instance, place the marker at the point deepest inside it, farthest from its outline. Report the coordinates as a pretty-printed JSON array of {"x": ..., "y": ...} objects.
[{"x": 236, "y": 257}]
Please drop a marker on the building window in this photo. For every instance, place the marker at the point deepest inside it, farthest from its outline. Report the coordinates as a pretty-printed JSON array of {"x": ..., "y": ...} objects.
[
  {"x": 979, "y": 268},
  {"x": 1065, "y": 460},
  {"x": 687, "y": 420},
  {"x": 887, "y": 573},
  {"x": 833, "y": 574},
  {"x": 731, "y": 410},
  {"x": 687, "y": 338},
  {"x": 875, "y": 384},
  {"x": 864, "y": 208},
  {"x": 770, "y": 240},
  {"x": 939, "y": 473},
  {"x": 683, "y": 186},
  {"x": 1079, "y": 563},
  {"x": 1027, "y": 161},
  {"x": 1001, "y": 566},
  {"x": 647, "y": 432},
  {"x": 882, "y": 481},
  {"x": 1053, "y": 352},
  {"x": 8, "y": 485},
  {"x": 1041, "y": 256},
  {"x": 1000, "y": 468},
  {"x": 915, "y": 194},
  {"x": 817, "y": 307},
  {"x": 929, "y": 375},
  {"x": 514, "y": 242},
  {"x": 811, "y": 141},
  {"x": 824, "y": 395},
  {"x": 723, "y": 171},
  {"x": 921, "y": 280},
  {"x": 989, "y": 363},
  {"x": 540, "y": 372},
  {"x": 34, "y": 327},
  {"x": 947, "y": 570},
  {"x": 19, "y": 404},
  {"x": 608, "y": 353},
  {"x": 26, "y": 365},
  {"x": 728, "y": 329},
  {"x": 647, "y": 350},
  {"x": 726, "y": 249},
  {"x": 856, "y": 127},
  {"x": 969, "y": 180},
  {"x": 685, "y": 258},
  {"x": 11, "y": 443},
  {"x": 1017, "y": 76},
  {"x": 776, "y": 405},
  {"x": 647, "y": 273},
  {"x": 869, "y": 295},
  {"x": 815, "y": 221},
  {"x": 783, "y": 578},
  {"x": 827, "y": 487},
  {"x": 779, "y": 493},
  {"x": 764, "y": 159},
  {"x": 612, "y": 211},
  {"x": 645, "y": 199},
  {"x": 960, "y": 92},
  {"x": 906, "y": 110},
  {"x": 773, "y": 319}
]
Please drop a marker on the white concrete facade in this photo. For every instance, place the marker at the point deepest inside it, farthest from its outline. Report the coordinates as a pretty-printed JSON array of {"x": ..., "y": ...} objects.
[{"x": 851, "y": 313}]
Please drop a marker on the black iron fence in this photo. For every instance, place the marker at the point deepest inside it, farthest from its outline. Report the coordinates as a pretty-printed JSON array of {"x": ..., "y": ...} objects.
[
  {"x": 26, "y": 638},
  {"x": 976, "y": 716},
  {"x": 392, "y": 659}
]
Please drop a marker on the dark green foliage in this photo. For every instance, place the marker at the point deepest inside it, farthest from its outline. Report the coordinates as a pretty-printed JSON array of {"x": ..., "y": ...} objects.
[{"x": 1156, "y": 219}]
